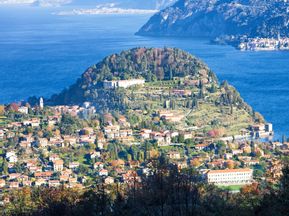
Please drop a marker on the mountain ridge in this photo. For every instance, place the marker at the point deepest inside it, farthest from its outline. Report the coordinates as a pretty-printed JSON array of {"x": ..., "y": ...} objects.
[{"x": 215, "y": 18}]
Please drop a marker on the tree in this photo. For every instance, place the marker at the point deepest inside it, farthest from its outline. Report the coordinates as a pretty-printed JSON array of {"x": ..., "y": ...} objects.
[
  {"x": 21, "y": 202},
  {"x": 230, "y": 164},
  {"x": 13, "y": 107},
  {"x": 69, "y": 124},
  {"x": 218, "y": 132},
  {"x": 5, "y": 167},
  {"x": 213, "y": 88},
  {"x": 195, "y": 162},
  {"x": 201, "y": 93},
  {"x": 221, "y": 147},
  {"x": 2, "y": 110},
  {"x": 195, "y": 103},
  {"x": 172, "y": 104},
  {"x": 171, "y": 74},
  {"x": 181, "y": 138},
  {"x": 225, "y": 84},
  {"x": 188, "y": 104}
]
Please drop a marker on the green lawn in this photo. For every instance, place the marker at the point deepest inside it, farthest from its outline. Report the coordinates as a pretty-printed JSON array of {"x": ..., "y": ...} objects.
[{"x": 231, "y": 187}]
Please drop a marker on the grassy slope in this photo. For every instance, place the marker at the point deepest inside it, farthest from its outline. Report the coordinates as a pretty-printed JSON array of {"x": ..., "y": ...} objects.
[{"x": 155, "y": 93}]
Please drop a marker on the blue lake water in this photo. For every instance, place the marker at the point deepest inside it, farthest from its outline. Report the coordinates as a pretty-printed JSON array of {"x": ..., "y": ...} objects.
[{"x": 41, "y": 53}]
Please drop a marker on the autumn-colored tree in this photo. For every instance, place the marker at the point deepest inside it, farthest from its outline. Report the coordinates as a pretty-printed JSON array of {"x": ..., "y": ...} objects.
[
  {"x": 13, "y": 107},
  {"x": 57, "y": 132},
  {"x": 230, "y": 164},
  {"x": 154, "y": 153},
  {"x": 2, "y": 110},
  {"x": 21, "y": 202},
  {"x": 216, "y": 132},
  {"x": 251, "y": 189},
  {"x": 195, "y": 162},
  {"x": 117, "y": 163}
]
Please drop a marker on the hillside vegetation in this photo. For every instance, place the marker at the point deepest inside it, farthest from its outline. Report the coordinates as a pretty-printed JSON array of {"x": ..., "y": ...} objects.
[
  {"x": 150, "y": 64},
  {"x": 177, "y": 84}
]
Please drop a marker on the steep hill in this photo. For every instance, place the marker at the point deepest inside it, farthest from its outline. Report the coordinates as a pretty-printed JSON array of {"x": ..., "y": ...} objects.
[
  {"x": 150, "y": 64},
  {"x": 178, "y": 87},
  {"x": 214, "y": 18}
]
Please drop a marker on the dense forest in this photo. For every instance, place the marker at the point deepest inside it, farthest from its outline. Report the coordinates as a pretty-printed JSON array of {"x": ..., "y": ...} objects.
[{"x": 165, "y": 192}]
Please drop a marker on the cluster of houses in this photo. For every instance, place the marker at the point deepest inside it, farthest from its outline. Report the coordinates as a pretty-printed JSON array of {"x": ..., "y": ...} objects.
[
  {"x": 256, "y": 44},
  {"x": 39, "y": 173},
  {"x": 113, "y": 132},
  {"x": 56, "y": 173},
  {"x": 261, "y": 130},
  {"x": 86, "y": 111},
  {"x": 233, "y": 165}
]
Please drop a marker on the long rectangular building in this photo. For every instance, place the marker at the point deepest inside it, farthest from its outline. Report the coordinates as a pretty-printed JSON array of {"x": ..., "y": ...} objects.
[
  {"x": 230, "y": 176},
  {"x": 122, "y": 83}
]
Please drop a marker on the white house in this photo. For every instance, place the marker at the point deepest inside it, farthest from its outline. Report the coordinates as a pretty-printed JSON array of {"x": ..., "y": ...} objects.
[
  {"x": 23, "y": 110},
  {"x": 109, "y": 180},
  {"x": 269, "y": 127},
  {"x": 98, "y": 165},
  {"x": 73, "y": 165},
  {"x": 1, "y": 134},
  {"x": 95, "y": 154},
  {"x": 103, "y": 172},
  {"x": 11, "y": 157}
]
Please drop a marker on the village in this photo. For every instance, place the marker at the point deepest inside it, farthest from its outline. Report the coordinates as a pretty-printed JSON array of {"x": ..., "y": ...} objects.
[
  {"x": 47, "y": 146},
  {"x": 265, "y": 44}
]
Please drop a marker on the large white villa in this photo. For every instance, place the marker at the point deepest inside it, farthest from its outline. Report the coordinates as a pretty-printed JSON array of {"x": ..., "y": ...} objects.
[{"x": 122, "y": 83}]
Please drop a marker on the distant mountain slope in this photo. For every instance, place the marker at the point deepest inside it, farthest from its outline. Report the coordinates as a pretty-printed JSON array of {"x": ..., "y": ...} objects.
[
  {"x": 138, "y": 4},
  {"x": 42, "y": 3},
  {"x": 213, "y": 18}
]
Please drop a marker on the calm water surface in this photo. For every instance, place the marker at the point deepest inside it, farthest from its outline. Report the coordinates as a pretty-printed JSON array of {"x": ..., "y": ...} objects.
[{"x": 40, "y": 54}]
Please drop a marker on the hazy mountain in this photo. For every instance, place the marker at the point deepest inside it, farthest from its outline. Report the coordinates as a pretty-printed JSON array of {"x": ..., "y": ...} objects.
[
  {"x": 221, "y": 17},
  {"x": 137, "y": 4},
  {"x": 44, "y": 3},
  {"x": 140, "y": 4}
]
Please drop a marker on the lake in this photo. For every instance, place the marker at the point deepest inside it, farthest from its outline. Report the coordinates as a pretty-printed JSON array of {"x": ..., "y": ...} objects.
[{"x": 41, "y": 53}]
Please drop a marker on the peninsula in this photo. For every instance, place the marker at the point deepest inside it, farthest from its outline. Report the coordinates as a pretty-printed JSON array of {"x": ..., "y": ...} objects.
[{"x": 252, "y": 25}]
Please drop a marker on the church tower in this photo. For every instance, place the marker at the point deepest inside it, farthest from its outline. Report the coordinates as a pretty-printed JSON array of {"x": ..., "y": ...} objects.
[{"x": 41, "y": 103}]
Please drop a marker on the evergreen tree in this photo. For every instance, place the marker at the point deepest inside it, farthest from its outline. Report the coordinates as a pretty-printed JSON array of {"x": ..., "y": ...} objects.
[
  {"x": 188, "y": 104},
  {"x": 5, "y": 167},
  {"x": 195, "y": 103},
  {"x": 213, "y": 88},
  {"x": 201, "y": 93},
  {"x": 171, "y": 74}
]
